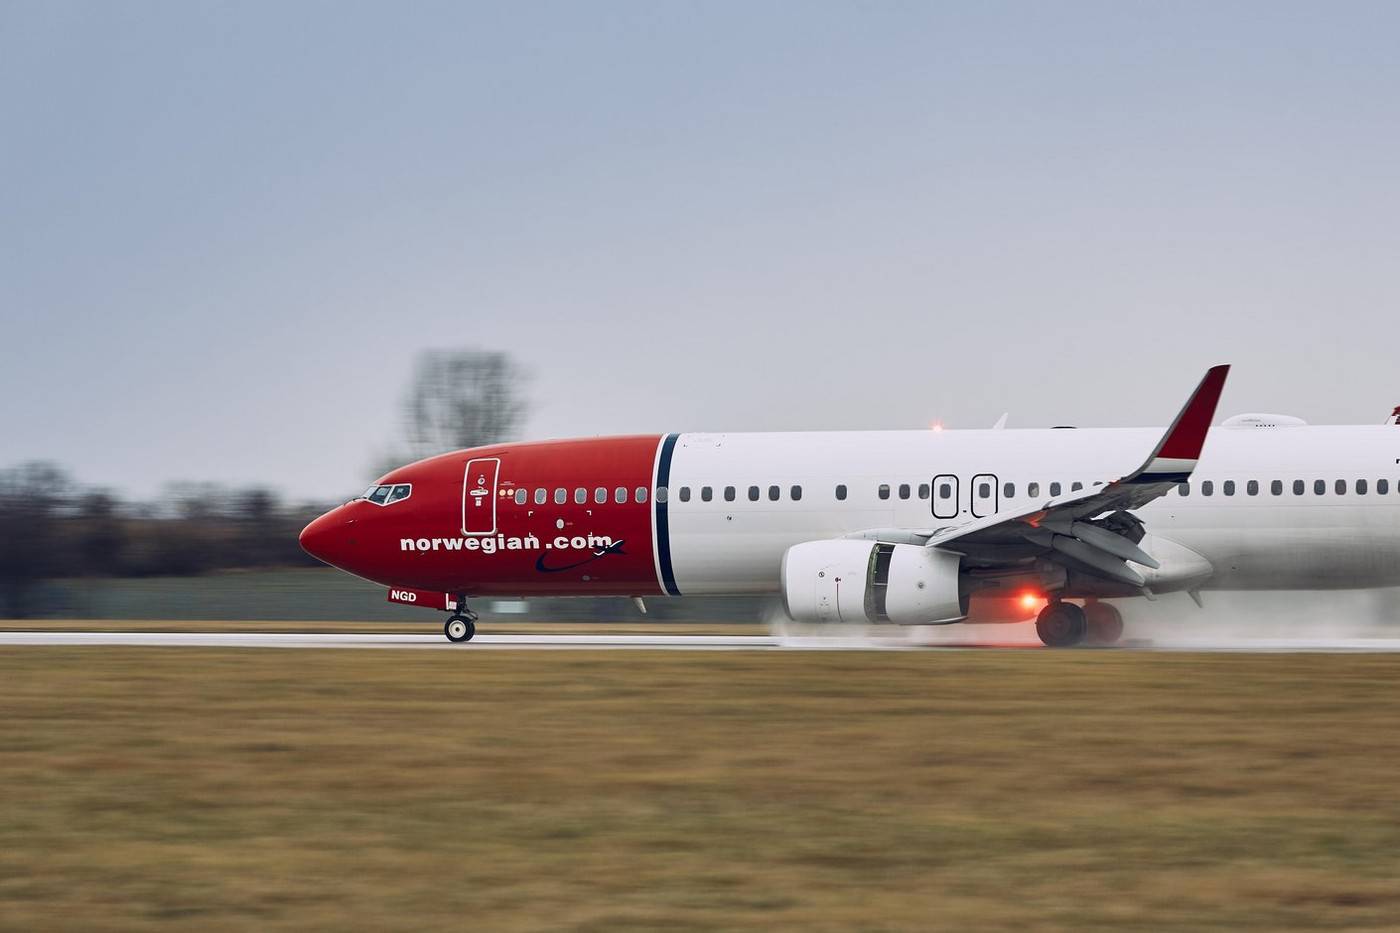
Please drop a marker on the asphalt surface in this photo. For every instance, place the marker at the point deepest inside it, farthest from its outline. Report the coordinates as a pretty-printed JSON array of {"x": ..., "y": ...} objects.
[{"x": 898, "y": 640}]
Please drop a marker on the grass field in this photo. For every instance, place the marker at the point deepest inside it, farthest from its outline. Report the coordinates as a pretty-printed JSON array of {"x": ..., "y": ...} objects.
[{"x": 263, "y": 789}]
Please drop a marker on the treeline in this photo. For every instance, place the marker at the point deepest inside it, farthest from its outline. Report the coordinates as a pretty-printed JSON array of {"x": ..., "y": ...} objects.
[{"x": 52, "y": 528}]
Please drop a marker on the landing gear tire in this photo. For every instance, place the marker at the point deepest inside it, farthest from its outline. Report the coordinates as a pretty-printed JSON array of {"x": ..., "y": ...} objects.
[
  {"x": 1105, "y": 623},
  {"x": 1061, "y": 625},
  {"x": 459, "y": 629}
]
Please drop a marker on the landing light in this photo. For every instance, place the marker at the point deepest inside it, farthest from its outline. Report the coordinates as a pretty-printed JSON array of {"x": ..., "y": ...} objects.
[
  {"x": 1029, "y": 600},
  {"x": 936, "y": 426}
]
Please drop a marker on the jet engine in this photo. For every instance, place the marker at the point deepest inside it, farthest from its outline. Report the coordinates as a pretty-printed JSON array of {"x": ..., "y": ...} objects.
[{"x": 847, "y": 580}]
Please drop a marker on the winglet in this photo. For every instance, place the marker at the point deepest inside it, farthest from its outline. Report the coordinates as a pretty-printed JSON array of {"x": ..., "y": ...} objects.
[{"x": 1180, "y": 448}]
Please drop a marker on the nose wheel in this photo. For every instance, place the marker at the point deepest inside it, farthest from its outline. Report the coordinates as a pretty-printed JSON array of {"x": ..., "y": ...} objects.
[{"x": 460, "y": 628}]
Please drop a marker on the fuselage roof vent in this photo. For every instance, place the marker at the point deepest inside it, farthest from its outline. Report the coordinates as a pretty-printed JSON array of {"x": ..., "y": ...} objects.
[{"x": 1258, "y": 420}]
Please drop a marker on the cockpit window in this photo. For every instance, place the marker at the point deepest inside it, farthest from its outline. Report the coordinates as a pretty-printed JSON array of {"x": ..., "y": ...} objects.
[{"x": 387, "y": 495}]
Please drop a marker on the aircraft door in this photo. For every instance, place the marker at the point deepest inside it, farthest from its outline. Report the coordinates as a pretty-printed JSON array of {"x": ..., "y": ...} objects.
[
  {"x": 479, "y": 496},
  {"x": 945, "y": 496},
  {"x": 984, "y": 495}
]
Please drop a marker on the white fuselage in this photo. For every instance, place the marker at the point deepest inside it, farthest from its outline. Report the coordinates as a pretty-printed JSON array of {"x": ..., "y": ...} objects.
[{"x": 1264, "y": 536}]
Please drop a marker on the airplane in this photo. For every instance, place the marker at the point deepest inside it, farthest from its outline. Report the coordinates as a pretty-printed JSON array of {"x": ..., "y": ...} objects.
[{"x": 904, "y": 527}]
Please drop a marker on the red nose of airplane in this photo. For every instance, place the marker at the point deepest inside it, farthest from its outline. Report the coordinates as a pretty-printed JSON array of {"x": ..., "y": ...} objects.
[{"x": 327, "y": 538}]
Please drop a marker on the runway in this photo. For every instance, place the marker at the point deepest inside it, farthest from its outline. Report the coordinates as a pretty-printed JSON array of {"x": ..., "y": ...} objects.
[{"x": 897, "y": 641}]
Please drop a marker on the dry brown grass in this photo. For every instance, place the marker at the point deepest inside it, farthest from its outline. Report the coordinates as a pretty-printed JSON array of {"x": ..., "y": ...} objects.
[{"x": 262, "y": 789}]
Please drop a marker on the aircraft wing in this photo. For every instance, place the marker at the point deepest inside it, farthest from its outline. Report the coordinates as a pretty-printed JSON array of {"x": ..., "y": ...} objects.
[{"x": 1091, "y": 527}]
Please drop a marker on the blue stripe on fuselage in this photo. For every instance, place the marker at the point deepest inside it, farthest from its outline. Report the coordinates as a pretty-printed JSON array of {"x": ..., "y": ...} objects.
[{"x": 663, "y": 528}]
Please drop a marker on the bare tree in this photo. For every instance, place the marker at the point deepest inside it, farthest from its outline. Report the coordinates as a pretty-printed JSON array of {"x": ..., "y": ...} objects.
[
  {"x": 463, "y": 398},
  {"x": 33, "y": 497}
]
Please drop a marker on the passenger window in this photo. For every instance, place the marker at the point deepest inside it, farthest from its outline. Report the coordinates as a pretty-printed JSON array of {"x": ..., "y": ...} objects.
[
  {"x": 729, "y": 493},
  {"x": 1033, "y": 490},
  {"x": 1382, "y": 486},
  {"x": 401, "y": 492},
  {"x": 640, "y": 494},
  {"x": 706, "y": 493},
  {"x": 1229, "y": 487},
  {"x": 1008, "y": 490},
  {"x": 945, "y": 491},
  {"x": 884, "y": 491},
  {"x": 520, "y": 496},
  {"x": 662, "y": 494},
  {"x": 1276, "y": 487},
  {"x": 1341, "y": 487},
  {"x": 685, "y": 493},
  {"x": 984, "y": 490},
  {"x": 380, "y": 494},
  {"x": 904, "y": 490},
  {"x": 1299, "y": 487},
  {"x": 923, "y": 491},
  {"x": 1319, "y": 487},
  {"x": 841, "y": 492},
  {"x": 1208, "y": 488},
  {"x": 561, "y": 496},
  {"x": 1360, "y": 487},
  {"x": 580, "y": 495},
  {"x": 774, "y": 493},
  {"x": 600, "y": 496},
  {"x": 541, "y": 496},
  {"x": 1252, "y": 487},
  {"x": 796, "y": 493},
  {"x": 1054, "y": 489},
  {"x": 1183, "y": 489},
  {"x": 753, "y": 493},
  {"x": 620, "y": 495}
]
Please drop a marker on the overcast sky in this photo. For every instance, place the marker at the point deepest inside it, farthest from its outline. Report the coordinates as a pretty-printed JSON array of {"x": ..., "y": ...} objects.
[{"x": 228, "y": 227}]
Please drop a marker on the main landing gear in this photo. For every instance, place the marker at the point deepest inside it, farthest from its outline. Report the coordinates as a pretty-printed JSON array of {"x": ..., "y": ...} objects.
[
  {"x": 1105, "y": 623},
  {"x": 1064, "y": 625},
  {"x": 461, "y": 625},
  {"x": 1061, "y": 625}
]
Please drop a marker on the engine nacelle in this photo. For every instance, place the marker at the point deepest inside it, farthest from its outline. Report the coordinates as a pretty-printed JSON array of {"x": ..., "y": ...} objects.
[{"x": 847, "y": 580}]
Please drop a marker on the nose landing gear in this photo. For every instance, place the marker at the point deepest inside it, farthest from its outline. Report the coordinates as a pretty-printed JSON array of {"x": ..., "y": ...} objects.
[{"x": 461, "y": 625}]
